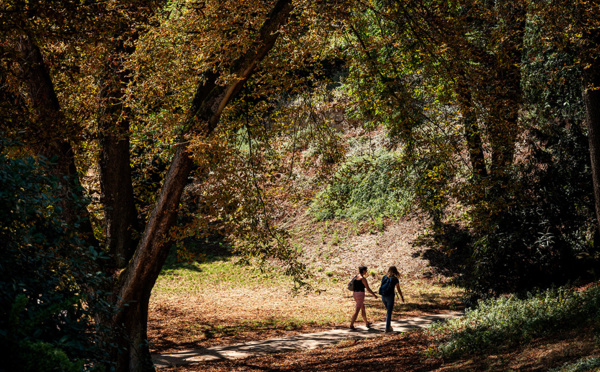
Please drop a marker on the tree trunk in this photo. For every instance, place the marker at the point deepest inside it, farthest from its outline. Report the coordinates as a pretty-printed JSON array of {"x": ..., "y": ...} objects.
[
  {"x": 120, "y": 214},
  {"x": 472, "y": 131},
  {"x": 474, "y": 143},
  {"x": 507, "y": 97},
  {"x": 591, "y": 99},
  {"x": 51, "y": 133},
  {"x": 135, "y": 283}
]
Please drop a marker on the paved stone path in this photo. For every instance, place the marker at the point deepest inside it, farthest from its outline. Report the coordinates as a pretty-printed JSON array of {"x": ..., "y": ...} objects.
[{"x": 302, "y": 341}]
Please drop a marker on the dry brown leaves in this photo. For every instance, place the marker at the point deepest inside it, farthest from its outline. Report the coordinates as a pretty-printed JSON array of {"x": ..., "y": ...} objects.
[
  {"x": 217, "y": 314},
  {"x": 407, "y": 352},
  {"x": 238, "y": 315},
  {"x": 393, "y": 353}
]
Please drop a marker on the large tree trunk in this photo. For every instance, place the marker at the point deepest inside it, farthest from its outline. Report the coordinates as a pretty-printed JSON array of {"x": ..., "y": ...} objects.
[
  {"x": 136, "y": 282},
  {"x": 50, "y": 133}
]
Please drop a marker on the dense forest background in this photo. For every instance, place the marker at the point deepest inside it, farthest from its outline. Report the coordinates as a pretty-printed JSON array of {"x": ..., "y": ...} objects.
[{"x": 133, "y": 128}]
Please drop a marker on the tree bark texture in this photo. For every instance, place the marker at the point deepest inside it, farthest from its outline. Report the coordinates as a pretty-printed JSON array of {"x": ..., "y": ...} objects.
[
  {"x": 120, "y": 213},
  {"x": 51, "y": 133},
  {"x": 135, "y": 283}
]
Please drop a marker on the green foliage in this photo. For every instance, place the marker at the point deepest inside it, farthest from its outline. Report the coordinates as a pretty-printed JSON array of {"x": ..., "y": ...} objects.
[
  {"x": 538, "y": 230},
  {"x": 385, "y": 81},
  {"x": 582, "y": 365},
  {"x": 44, "y": 313},
  {"x": 365, "y": 187},
  {"x": 552, "y": 71},
  {"x": 551, "y": 85},
  {"x": 510, "y": 321},
  {"x": 532, "y": 224},
  {"x": 45, "y": 357}
]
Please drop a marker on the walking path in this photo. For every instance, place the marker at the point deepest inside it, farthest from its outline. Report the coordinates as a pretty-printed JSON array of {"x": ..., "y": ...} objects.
[{"x": 303, "y": 341}]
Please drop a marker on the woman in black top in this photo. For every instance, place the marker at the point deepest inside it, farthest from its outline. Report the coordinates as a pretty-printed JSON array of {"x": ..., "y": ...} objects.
[
  {"x": 388, "y": 298},
  {"x": 360, "y": 284}
]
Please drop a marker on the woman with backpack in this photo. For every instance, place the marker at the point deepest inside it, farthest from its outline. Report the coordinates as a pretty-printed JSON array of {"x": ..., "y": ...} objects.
[
  {"x": 360, "y": 284},
  {"x": 386, "y": 290}
]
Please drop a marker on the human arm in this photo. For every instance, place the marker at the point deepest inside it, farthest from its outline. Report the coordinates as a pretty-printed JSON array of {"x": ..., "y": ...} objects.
[
  {"x": 400, "y": 291},
  {"x": 367, "y": 287}
]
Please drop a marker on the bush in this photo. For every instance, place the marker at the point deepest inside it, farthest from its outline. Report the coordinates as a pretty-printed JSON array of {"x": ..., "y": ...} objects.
[
  {"x": 582, "y": 365},
  {"x": 365, "y": 187},
  {"x": 45, "y": 313},
  {"x": 43, "y": 356},
  {"x": 511, "y": 321}
]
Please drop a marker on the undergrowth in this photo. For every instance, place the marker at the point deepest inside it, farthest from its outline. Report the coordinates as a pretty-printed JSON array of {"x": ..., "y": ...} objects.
[
  {"x": 510, "y": 321},
  {"x": 582, "y": 365},
  {"x": 367, "y": 186}
]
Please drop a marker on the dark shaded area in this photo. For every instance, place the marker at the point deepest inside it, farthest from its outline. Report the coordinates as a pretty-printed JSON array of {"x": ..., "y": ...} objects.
[
  {"x": 446, "y": 249},
  {"x": 532, "y": 227},
  {"x": 186, "y": 253},
  {"x": 45, "y": 274}
]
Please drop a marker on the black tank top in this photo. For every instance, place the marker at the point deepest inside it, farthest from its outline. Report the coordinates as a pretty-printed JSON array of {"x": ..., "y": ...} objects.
[{"x": 359, "y": 286}]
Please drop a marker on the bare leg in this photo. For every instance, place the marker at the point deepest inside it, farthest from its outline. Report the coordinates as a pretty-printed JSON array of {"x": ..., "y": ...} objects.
[
  {"x": 356, "y": 311},
  {"x": 359, "y": 297},
  {"x": 364, "y": 313}
]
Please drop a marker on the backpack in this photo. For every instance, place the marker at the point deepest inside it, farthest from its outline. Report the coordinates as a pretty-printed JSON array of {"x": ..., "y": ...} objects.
[
  {"x": 351, "y": 284},
  {"x": 386, "y": 289}
]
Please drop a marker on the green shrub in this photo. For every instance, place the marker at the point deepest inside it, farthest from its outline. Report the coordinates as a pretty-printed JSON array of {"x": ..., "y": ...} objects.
[
  {"x": 44, "y": 357},
  {"x": 582, "y": 365},
  {"x": 365, "y": 187},
  {"x": 45, "y": 313},
  {"x": 511, "y": 321}
]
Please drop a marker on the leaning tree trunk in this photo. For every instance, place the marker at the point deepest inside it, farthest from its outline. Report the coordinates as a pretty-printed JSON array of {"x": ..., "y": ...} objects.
[
  {"x": 50, "y": 134},
  {"x": 135, "y": 283}
]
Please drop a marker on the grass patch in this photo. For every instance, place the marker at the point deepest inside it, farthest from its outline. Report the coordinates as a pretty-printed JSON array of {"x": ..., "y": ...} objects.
[
  {"x": 510, "y": 321},
  {"x": 195, "y": 277},
  {"x": 211, "y": 266}
]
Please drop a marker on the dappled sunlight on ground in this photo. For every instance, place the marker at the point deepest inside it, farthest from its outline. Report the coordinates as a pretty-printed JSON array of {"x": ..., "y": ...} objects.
[{"x": 221, "y": 315}]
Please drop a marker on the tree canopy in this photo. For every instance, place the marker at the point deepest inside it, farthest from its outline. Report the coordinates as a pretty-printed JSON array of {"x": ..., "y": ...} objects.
[{"x": 189, "y": 114}]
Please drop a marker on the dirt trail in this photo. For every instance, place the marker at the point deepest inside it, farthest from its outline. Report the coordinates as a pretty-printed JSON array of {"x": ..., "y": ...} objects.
[{"x": 303, "y": 341}]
